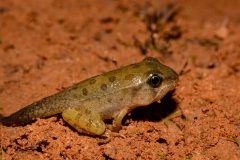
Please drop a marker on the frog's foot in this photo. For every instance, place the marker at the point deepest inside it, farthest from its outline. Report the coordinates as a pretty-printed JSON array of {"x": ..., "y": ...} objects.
[
  {"x": 84, "y": 120},
  {"x": 109, "y": 134}
]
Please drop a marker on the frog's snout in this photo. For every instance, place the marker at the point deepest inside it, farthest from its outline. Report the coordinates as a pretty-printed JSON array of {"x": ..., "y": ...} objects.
[
  {"x": 172, "y": 79},
  {"x": 173, "y": 76}
]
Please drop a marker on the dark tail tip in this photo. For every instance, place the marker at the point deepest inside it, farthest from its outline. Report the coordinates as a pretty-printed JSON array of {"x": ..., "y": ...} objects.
[
  {"x": 1, "y": 116},
  {"x": 4, "y": 120}
]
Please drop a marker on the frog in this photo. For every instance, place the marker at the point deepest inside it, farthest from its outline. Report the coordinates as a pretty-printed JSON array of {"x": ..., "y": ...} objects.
[{"x": 108, "y": 96}]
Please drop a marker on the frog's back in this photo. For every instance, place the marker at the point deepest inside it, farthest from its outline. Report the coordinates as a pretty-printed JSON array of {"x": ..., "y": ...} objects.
[
  {"x": 116, "y": 80},
  {"x": 107, "y": 83}
]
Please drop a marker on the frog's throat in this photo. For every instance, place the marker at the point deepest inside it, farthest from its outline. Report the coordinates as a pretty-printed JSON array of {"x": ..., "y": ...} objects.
[{"x": 164, "y": 90}]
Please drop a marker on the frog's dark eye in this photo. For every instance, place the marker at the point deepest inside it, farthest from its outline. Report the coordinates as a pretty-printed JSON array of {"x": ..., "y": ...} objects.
[{"x": 154, "y": 80}]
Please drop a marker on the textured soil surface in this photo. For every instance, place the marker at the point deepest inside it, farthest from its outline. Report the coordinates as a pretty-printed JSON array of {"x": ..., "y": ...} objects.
[{"x": 48, "y": 45}]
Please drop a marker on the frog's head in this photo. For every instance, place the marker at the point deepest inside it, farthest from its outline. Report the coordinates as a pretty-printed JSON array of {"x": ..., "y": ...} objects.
[{"x": 157, "y": 80}]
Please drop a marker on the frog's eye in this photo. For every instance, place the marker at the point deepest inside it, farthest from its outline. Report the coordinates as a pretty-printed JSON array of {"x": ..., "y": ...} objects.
[{"x": 154, "y": 80}]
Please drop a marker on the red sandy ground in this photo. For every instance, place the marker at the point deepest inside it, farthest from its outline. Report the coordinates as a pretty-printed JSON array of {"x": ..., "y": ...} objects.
[{"x": 47, "y": 45}]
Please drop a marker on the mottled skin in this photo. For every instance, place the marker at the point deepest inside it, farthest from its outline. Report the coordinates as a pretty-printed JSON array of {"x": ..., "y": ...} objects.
[{"x": 110, "y": 95}]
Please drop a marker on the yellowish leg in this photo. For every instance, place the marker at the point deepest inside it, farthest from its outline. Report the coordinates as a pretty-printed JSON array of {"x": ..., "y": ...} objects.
[
  {"x": 117, "y": 121},
  {"x": 84, "y": 120}
]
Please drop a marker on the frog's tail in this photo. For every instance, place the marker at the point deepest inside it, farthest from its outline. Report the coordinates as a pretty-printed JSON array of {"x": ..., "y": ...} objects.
[
  {"x": 1, "y": 119},
  {"x": 17, "y": 118},
  {"x": 4, "y": 120}
]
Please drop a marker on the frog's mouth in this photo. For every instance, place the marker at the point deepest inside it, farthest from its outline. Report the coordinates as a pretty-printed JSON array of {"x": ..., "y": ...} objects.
[{"x": 162, "y": 91}]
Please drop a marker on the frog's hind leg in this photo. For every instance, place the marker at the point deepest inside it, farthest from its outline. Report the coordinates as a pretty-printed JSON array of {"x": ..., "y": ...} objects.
[{"x": 84, "y": 120}]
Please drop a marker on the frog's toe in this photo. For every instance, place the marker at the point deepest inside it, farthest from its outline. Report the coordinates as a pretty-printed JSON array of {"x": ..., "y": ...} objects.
[{"x": 110, "y": 134}]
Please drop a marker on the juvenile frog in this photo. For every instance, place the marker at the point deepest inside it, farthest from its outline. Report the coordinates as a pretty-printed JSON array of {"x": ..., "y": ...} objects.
[{"x": 111, "y": 95}]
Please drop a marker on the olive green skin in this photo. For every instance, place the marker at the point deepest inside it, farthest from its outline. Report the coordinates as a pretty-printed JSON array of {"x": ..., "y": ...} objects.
[{"x": 109, "y": 95}]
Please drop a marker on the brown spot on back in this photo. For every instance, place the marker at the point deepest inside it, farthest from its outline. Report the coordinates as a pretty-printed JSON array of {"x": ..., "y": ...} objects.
[
  {"x": 112, "y": 78},
  {"x": 85, "y": 91},
  {"x": 104, "y": 87},
  {"x": 109, "y": 100},
  {"x": 129, "y": 77},
  {"x": 87, "y": 111},
  {"x": 92, "y": 81}
]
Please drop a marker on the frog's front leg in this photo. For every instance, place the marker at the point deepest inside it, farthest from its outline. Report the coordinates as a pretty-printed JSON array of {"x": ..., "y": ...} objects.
[
  {"x": 117, "y": 121},
  {"x": 84, "y": 120}
]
